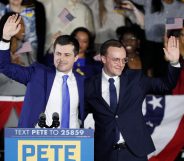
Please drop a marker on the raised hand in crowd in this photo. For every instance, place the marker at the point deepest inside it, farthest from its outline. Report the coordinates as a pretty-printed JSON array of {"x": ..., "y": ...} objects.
[
  {"x": 11, "y": 27},
  {"x": 171, "y": 50}
]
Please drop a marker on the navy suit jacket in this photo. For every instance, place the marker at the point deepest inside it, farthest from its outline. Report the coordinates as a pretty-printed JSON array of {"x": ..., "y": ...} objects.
[
  {"x": 38, "y": 79},
  {"x": 128, "y": 118}
]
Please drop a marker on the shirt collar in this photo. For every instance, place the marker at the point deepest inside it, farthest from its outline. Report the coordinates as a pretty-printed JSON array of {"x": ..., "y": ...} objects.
[
  {"x": 105, "y": 76},
  {"x": 60, "y": 74}
]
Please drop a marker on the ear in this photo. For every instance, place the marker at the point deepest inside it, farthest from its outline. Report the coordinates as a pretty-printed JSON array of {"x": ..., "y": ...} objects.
[{"x": 103, "y": 58}]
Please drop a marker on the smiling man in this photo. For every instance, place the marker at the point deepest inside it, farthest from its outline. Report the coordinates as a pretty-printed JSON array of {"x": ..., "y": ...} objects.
[
  {"x": 56, "y": 89},
  {"x": 115, "y": 98}
]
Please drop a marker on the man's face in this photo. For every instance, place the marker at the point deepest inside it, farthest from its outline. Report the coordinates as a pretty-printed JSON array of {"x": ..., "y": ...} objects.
[
  {"x": 64, "y": 58},
  {"x": 114, "y": 61}
]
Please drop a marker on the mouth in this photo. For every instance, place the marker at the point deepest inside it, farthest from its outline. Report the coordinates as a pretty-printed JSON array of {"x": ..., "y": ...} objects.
[
  {"x": 62, "y": 64},
  {"x": 119, "y": 68}
]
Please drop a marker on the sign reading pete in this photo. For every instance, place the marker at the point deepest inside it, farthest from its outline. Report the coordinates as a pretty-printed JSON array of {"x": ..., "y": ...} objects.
[{"x": 49, "y": 144}]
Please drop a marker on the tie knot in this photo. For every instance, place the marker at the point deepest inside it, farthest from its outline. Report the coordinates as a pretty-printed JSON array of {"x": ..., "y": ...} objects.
[
  {"x": 65, "y": 77},
  {"x": 111, "y": 80}
]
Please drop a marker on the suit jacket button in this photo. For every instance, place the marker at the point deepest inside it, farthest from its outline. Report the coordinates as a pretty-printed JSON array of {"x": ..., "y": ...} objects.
[{"x": 116, "y": 116}]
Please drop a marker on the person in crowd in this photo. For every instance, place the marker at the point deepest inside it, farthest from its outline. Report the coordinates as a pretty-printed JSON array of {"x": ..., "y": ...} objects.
[
  {"x": 49, "y": 90},
  {"x": 64, "y": 16},
  {"x": 133, "y": 40},
  {"x": 35, "y": 24},
  {"x": 107, "y": 16},
  {"x": 115, "y": 98},
  {"x": 156, "y": 14},
  {"x": 85, "y": 63}
]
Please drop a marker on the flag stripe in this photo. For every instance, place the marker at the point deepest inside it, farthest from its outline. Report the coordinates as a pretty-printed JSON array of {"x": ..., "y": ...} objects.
[
  {"x": 65, "y": 16},
  {"x": 170, "y": 152},
  {"x": 174, "y": 23}
]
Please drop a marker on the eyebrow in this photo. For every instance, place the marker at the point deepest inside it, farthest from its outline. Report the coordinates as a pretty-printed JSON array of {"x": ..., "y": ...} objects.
[{"x": 64, "y": 53}]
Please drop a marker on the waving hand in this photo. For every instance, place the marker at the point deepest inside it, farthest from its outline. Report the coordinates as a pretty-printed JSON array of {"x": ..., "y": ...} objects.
[
  {"x": 11, "y": 27},
  {"x": 172, "y": 50}
]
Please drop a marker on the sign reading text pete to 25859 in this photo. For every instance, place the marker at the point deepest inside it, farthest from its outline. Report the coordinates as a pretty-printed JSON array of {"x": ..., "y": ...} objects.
[{"x": 49, "y": 144}]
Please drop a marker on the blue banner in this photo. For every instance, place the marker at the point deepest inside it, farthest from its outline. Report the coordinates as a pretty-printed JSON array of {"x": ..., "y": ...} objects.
[{"x": 49, "y": 144}]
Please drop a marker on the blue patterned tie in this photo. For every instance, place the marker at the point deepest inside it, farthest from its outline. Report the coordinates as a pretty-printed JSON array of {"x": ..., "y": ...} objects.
[
  {"x": 113, "y": 103},
  {"x": 65, "y": 103},
  {"x": 113, "y": 94}
]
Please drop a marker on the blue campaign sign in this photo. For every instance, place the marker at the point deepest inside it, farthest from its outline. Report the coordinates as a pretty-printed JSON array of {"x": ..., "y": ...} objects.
[{"x": 49, "y": 144}]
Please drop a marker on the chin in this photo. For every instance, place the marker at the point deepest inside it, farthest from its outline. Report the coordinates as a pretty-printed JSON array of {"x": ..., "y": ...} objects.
[
  {"x": 118, "y": 73},
  {"x": 60, "y": 69}
]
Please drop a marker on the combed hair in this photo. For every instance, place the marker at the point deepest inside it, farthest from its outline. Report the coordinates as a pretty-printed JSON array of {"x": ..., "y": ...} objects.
[
  {"x": 109, "y": 43},
  {"x": 66, "y": 40}
]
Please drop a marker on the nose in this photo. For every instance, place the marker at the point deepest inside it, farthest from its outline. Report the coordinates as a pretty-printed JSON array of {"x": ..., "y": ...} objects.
[
  {"x": 128, "y": 42},
  {"x": 60, "y": 58}
]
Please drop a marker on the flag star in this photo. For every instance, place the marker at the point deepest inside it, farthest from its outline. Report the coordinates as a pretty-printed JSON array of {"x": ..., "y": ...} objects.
[{"x": 155, "y": 102}]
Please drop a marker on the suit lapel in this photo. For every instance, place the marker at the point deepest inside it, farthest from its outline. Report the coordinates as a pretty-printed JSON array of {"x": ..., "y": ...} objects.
[
  {"x": 98, "y": 87},
  {"x": 80, "y": 85},
  {"x": 123, "y": 87}
]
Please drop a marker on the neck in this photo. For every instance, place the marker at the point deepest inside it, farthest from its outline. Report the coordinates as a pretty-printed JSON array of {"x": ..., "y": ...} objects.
[
  {"x": 16, "y": 8},
  {"x": 81, "y": 55}
]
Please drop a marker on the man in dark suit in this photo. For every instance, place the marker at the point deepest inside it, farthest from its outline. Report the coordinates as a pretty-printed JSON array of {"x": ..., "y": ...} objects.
[
  {"x": 115, "y": 98},
  {"x": 48, "y": 89}
]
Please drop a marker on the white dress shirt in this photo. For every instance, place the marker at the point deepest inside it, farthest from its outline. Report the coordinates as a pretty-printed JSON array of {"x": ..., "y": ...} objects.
[
  {"x": 106, "y": 94},
  {"x": 54, "y": 103}
]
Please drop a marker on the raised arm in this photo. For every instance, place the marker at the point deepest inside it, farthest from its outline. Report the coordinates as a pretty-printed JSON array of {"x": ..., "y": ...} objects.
[
  {"x": 11, "y": 27},
  {"x": 14, "y": 71},
  {"x": 138, "y": 14}
]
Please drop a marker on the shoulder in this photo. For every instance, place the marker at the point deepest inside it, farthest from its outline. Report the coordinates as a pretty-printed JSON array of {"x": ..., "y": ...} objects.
[
  {"x": 133, "y": 74},
  {"x": 40, "y": 67},
  {"x": 95, "y": 78}
]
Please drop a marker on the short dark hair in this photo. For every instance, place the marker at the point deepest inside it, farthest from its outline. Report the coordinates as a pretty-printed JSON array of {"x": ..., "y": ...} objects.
[
  {"x": 134, "y": 30},
  {"x": 66, "y": 40},
  {"x": 109, "y": 43}
]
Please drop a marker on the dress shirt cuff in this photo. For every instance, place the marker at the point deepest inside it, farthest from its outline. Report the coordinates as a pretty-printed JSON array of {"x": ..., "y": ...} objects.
[
  {"x": 4, "y": 45},
  {"x": 177, "y": 65}
]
